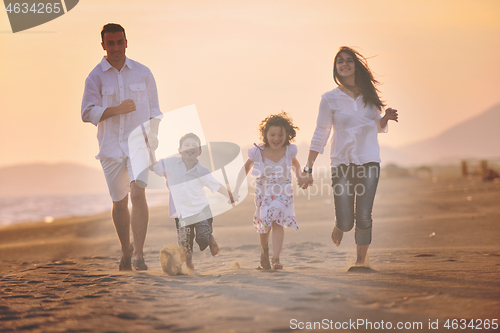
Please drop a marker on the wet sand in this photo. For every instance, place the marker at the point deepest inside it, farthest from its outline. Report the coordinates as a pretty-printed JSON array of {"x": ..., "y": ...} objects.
[{"x": 435, "y": 256}]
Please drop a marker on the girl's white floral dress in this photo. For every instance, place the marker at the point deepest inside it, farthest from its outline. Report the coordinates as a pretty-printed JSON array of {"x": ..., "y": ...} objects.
[{"x": 273, "y": 190}]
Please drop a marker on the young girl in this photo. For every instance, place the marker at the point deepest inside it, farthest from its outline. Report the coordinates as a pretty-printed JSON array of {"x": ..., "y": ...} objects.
[{"x": 272, "y": 162}]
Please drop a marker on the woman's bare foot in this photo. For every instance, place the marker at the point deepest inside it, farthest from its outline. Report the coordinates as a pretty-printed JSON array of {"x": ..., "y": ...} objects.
[
  {"x": 337, "y": 235},
  {"x": 214, "y": 247},
  {"x": 264, "y": 259},
  {"x": 276, "y": 263},
  {"x": 361, "y": 250}
]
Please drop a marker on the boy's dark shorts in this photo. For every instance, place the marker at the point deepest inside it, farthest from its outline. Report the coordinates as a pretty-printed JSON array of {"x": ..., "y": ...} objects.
[{"x": 201, "y": 231}]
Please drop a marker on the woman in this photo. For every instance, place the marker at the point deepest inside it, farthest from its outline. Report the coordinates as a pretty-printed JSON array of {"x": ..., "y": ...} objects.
[{"x": 353, "y": 109}]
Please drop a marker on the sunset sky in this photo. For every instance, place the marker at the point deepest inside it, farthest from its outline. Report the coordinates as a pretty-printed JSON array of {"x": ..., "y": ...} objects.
[{"x": 239, "y": 61}]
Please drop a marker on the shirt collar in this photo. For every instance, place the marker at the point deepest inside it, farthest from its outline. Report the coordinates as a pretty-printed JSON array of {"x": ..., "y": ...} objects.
[
  {"x": 343, "y": 93},
  {"x": 128, "y": 63},
  {"x": 195, "y": 168},
  {"x": 105, "y": 65}
]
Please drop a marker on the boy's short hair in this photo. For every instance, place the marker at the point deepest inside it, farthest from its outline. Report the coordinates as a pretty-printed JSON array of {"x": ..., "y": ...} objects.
[
  {"x": 112, "y": 27},
  {"x": 189, "y": 136}
]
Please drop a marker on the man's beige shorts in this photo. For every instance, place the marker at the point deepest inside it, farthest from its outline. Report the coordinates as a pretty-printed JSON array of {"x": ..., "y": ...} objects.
[{"x": 119, "y": 173}]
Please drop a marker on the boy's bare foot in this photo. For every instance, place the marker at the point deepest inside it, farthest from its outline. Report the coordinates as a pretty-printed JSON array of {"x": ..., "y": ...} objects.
[
  {"x": 337, "y": 235},
  {"x": 276, "y": 263},
  {"x": 264, "y": 259},
  {"x": 189, "y": 261},
  {"x": 214, "y": 247}
]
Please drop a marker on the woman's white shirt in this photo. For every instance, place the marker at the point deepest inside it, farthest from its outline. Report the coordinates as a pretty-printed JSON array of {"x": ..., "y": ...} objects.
[{"x": 355, "y": 125}]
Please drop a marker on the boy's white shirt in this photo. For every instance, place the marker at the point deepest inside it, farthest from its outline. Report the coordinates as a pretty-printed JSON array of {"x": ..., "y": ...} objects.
[{"x": 187, "y": 196}]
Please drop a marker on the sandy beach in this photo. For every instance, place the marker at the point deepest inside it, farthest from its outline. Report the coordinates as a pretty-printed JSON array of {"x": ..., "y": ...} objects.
[{"x": 435, "y": 260}]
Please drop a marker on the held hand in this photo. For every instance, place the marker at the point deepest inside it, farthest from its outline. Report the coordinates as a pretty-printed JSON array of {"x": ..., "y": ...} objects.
[
  {"x": 233, "y": 197},
  {"x": 301, "y": 181},
  {"x": 152, "y": 141},
  {"x": 310, "y": 179},
  {"x": 307, "y": 180},
  {"x": 127, "y": 106},
  {"x": 391, "y": 114}
]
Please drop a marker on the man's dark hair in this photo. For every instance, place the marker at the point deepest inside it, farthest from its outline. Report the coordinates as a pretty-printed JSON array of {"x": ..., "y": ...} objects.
[{"x": 112, "y": 27}]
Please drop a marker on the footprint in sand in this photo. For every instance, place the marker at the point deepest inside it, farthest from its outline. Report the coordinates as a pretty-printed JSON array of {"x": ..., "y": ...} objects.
[
  {"x": 361, "y": 269},
  {"x": 34, "y": 282},
  {"x": 128, "y": 315},
  {"x": 236, "y": 318},
  {"x": 105, "y": 279},
  {"x": 172, "y": 256},
  {"x": 303, "y": 267}
]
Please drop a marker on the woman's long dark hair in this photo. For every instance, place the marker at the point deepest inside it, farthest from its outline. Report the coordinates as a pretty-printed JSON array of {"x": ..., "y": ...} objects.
[{"x": 363, "y": 77}]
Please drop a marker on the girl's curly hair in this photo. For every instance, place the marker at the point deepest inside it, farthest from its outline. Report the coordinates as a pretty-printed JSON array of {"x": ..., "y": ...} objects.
[{"x": 281, "y": 120}]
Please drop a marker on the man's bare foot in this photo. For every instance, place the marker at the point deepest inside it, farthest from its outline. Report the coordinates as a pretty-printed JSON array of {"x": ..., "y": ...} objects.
[
  {"x": 125, "y": 264},
  {"x": 126, "y": 260},
  {"x": 337, "y": 235},
  {"x": 276, "y": 263},
  {"x": 214, "y": 247},
  {"x": 264, "y": 259}
]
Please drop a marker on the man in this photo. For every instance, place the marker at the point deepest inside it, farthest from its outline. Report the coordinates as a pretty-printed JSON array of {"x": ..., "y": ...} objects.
[{"x": 120, "y": 98}]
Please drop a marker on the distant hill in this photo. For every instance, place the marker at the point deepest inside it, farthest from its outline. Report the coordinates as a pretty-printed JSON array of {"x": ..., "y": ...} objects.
[
  {"x": 51, "y": 179},
  {"x": 478, "y": 137}
]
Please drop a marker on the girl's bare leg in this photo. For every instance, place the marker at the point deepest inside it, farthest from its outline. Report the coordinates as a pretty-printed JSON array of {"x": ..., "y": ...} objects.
[
  {"x": 264, "y": 251},
  {"x": 278, "y": 236}
]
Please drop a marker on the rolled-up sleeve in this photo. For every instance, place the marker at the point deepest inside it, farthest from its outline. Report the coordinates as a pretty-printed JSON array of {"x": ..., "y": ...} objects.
[
  {"x": 323, "y": 127},
  {"x": 154, "y": 105},
  {"x": 210, "y": 182},
  {"x": 159, "y": 168},
  {"x": 379, "y": 128},
  {"x": 91, "y": 103}
]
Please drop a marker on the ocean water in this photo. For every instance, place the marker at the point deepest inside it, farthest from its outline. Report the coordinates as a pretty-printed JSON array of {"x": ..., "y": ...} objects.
[{"x": 49, "y": 207}]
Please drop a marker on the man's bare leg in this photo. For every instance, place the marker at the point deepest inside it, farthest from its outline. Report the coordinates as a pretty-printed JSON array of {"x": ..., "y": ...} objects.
[
  {"x": 121, "y": 220},
  {"x": 337, "y": 235},
  {"x": 361, "y": 251},
  {"x": 264, "y": 251},
  {"x": 139, "y": 219}
]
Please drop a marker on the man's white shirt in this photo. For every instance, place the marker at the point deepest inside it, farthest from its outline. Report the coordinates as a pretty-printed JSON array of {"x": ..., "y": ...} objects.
[{"x": 107, "y": 87}]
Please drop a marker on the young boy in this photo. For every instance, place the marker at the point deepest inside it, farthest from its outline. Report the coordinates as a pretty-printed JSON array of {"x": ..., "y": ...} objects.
[{"x": 189, "y": 204}]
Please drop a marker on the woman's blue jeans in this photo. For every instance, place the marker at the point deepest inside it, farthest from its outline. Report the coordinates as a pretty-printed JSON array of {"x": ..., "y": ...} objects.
[{"x": 354, "y": 188}]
